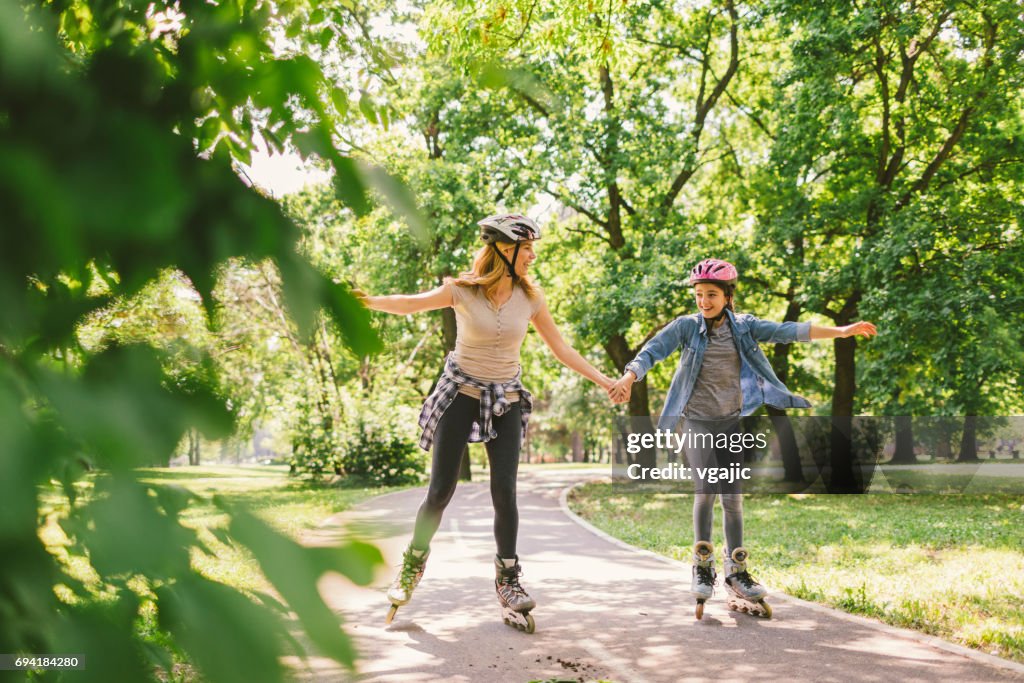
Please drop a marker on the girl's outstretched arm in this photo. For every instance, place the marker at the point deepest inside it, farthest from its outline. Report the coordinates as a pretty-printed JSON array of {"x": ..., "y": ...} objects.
[
  {"x": 656, "y": 350},
  {"x": 404, "y": 304},
  {"x": 567, "y": 355},
  {"x": 861, "y": 328}
]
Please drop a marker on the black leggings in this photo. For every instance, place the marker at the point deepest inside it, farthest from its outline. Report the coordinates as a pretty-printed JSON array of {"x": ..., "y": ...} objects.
[{"x": 450, "y": 439}]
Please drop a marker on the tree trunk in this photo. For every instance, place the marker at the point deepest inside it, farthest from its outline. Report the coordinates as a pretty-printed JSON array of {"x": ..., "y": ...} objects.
[
  {"x": 194, "y": 446},
  {"x": 842, "y": 478},
  {"x": 577, "y": 446},
  {"x": 904, "y": 453},
  {"x": 969, "y": 441},
  {"x": 788, "y": 450},
  {"x": 639, "y": 405},
  {"x": 790, "y": 454}
]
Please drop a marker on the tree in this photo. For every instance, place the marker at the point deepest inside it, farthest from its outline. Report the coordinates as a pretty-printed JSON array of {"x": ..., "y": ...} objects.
[
  {"x": 623, "y": 100},
  {"x": 104, "y": 111},
  {"x": 888, "y": 109}
]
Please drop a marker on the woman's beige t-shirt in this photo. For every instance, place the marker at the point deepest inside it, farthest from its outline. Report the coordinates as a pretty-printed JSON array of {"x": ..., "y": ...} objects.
[{"x": 489, "y": 337}]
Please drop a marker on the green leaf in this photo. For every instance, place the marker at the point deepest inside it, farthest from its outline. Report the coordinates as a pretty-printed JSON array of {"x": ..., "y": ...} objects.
[
  {"x": 340, "y": 99},
  {"x": 349, "y": 185},
  {"x": 352, "y": 319},
  {"x": 355, "y": 560},
  {"x": 368, "y": 108},
  {"x": 399, "y": 198},
  {"x": 102, "y": 632},
  {"x": 294, "y": 571},
  {"x": 248, "y": 636},
  {"x": 130, "y": 535}
]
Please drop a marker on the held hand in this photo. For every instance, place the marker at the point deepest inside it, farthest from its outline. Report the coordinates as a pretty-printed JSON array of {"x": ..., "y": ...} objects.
[
  {"x": 862, "y": 329},
  {"x": 621, "y": 390},
  {"x": 605, "y": 382}
]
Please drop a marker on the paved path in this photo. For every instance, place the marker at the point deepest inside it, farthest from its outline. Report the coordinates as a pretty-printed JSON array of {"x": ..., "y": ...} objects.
[{"x": 606, "y": 611}]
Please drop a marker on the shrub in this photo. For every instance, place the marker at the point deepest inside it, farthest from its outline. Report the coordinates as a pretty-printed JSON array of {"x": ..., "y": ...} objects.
[{"x": 382, "y": 459}]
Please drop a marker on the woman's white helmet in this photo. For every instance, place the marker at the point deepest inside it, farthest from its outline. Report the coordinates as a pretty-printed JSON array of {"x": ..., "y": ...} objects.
[{"x": 508, "y": 227}]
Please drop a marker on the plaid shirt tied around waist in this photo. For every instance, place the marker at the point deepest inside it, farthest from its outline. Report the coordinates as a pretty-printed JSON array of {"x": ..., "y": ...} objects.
[{"x": 492, "y": 402}]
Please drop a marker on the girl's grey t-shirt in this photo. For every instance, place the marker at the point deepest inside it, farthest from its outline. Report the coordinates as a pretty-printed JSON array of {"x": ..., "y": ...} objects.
[
  {"x": 489, "y": 337},
  {"x": 717, "y": 392}
]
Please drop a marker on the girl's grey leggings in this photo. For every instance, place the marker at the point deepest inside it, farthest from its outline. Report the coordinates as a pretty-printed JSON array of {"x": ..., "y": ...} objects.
[
  {"x": 704, "y": 498},
  {"x": 703, "y": 516},
  {"x": 450, "y": 439}
]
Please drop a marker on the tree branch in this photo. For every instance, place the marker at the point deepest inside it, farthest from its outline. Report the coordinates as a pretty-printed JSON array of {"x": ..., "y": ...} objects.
[
  {"x": 579, "y": 209},
  {"x": 750, "y": 114},
  {"x": 960, "y": 128},
  {"x": 534, "y": 104},
  {"x": 704, "y": 106},
  {"x": 593, "y": 233}
]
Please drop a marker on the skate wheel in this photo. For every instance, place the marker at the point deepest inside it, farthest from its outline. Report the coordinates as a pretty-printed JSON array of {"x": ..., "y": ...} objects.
[
  {"x": 699, "y": 612},
  {"x": 531, "y": 625},
  {"x": 391, "y": 614},
  {"x": 767, "y": 610}
]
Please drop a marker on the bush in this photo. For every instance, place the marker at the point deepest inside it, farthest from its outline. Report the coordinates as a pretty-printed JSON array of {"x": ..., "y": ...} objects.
[
  {"x": 315, "y": 444},
  {"x": 382, "y": 460}
]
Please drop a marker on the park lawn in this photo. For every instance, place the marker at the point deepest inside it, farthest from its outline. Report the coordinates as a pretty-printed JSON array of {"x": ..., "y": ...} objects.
[
  {"x": 946, "y": 565},
  {"x": 289, "y": 505}
]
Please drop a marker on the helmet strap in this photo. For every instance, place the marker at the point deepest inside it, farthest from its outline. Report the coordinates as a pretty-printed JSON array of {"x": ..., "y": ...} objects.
[
  {"x": 710, "y": 323},
  {"x": 511, "y": 265}
]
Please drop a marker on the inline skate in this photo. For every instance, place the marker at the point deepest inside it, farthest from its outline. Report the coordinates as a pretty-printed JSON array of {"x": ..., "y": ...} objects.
[{"x": 515, "y": 602}]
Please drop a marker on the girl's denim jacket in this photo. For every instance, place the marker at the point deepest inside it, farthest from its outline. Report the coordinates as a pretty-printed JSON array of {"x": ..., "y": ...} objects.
[{"x": 757, "y": 379}]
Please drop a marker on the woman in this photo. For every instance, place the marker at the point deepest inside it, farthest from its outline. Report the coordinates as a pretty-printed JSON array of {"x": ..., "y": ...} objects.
[
  {"x": 479, "y": 397},
  {"x": 723, "y": 374}
]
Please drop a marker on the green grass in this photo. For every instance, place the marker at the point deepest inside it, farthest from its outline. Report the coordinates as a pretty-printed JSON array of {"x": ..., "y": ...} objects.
[
  {"x": 947, "y": 565},
  {"x": 290, "y": 505}
]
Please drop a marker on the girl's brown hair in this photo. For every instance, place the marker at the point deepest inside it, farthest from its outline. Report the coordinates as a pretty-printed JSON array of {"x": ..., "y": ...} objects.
[{"x": 487, "y": 271}]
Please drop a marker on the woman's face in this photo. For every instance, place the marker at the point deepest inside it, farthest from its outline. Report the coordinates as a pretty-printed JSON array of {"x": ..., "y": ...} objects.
[
  {"x": 526, "y": 257},
  {"x": 710, "y": 299}
]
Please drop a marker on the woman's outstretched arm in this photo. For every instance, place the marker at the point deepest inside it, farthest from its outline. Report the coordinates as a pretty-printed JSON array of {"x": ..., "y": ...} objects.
[
  {"x": 405, "y": 304},
  {"x": 567, "y": 355}
]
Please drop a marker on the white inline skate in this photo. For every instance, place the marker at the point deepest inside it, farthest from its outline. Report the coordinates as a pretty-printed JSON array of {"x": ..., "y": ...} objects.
[
  {"x": 745, "y": 594},
  {"x": 703, "y": 585}
]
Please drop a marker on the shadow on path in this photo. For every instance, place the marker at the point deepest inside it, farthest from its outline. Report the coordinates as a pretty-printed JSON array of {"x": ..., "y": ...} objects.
[{"x": 604, "y": 612}]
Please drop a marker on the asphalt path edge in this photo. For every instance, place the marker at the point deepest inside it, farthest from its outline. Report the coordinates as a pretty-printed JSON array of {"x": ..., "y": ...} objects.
[{"x": 991, "y": 660}]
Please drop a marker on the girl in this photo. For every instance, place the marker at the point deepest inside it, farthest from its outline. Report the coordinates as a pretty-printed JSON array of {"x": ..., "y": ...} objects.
[
  {"x": 723, "y": 374},
  {"x": 479, "y": 396}
]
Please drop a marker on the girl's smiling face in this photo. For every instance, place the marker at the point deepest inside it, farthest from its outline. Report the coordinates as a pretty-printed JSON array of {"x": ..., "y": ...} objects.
[{"x": 711, "y": 299}]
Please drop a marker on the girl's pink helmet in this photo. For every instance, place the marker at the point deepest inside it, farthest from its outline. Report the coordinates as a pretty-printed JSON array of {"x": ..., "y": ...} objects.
[{"x": 714, "y": 271}]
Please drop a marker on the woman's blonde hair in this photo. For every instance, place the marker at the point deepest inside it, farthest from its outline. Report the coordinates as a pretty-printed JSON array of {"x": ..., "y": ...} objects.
[{"x": 487, "y": 271}]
